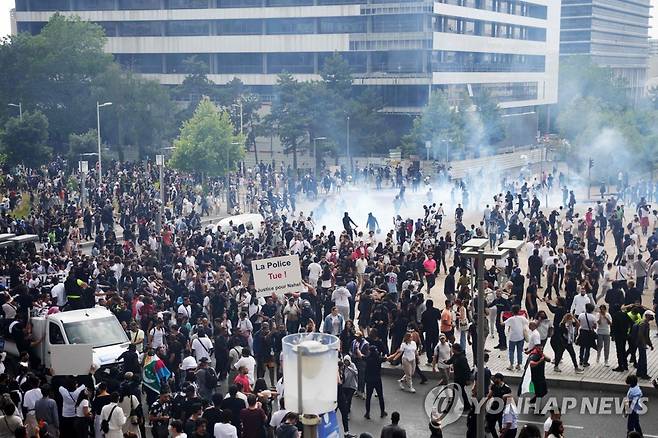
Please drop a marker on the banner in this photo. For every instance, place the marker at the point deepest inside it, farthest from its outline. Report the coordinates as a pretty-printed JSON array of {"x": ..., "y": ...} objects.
[{"x": 280, "y": 275}]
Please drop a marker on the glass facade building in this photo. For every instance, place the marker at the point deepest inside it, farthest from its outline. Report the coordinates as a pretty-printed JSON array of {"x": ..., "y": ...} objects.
[
  {"x": 403, "y": 47},
  {"x": 615, "y": 33}
]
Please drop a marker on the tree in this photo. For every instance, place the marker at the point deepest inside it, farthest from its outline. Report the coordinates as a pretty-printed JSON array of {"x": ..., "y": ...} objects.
[
  {"x": 206, "y": 143},
  {"x": 25, "y": 140},
  {"x": 195, "y": 85},
  {"x": 84, "y": 143},
  {"x": 490, "y": 117},
  {"x": 52, "y": 71},
  {"x": 287, "y": 115}
]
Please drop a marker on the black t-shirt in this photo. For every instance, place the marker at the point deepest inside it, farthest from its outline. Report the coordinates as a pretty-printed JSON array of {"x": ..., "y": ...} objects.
[{"x": 98, "y": 403}]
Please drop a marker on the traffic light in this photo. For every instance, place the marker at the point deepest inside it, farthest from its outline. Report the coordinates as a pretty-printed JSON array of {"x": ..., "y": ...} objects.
[{"x": 591, "y": 163}]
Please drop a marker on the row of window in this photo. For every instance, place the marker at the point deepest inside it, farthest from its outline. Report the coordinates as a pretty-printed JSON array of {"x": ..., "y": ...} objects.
[
  {"x": 397, "y": 61},
  {"x": 409, "y": 23},
  {"x": 513, "y": 7},
  {"x": 106, "y": 5},
  {"x": 452, "y": 61},
  {"x": 488, "y": 28},
  {"x": 587, "y": 35}
]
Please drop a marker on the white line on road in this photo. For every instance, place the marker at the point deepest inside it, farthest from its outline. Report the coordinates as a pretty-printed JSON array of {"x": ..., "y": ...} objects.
[{"x": 566, "y": 426}]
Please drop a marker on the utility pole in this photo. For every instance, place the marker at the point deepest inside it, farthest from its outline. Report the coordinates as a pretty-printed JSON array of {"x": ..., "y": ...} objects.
[
  {"x": 349, "y": 157},
  {"x": 159, "y": 160}
]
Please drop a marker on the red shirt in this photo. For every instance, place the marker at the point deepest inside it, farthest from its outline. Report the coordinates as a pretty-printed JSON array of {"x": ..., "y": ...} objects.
[
  {"x": 244, "y": 380},
  {"x": 430, "y": 266}
]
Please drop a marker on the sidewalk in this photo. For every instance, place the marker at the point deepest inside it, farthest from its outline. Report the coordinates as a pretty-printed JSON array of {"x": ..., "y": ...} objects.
[{"x": 595, "y": 377}]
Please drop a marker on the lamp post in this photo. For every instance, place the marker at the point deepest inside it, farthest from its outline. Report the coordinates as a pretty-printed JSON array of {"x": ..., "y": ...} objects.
[
  {"x": 308, "y": 361},
  {"x": 18, "y": 105},
  {"x": 475, "y": 250},
  {"x": 83, "y": 167},
  {"x": 315, "y": 156},
  {"x": 349, "y": 156},
  {"x": 428, "y": 148},
  {"x": 98, "y": 132},
  {"x": 160, "y": 161}
]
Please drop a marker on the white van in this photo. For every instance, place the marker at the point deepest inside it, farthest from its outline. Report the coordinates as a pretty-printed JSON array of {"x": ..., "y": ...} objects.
[
  {"x": 96, "y": 331},
  {"x": 251, "y": 222}
]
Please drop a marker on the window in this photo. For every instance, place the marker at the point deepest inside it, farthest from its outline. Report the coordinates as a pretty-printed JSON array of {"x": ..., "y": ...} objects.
[
  {"x": 453, "y": 61},
  {"x": 358, "y": 61},
  {"x": 239, "y": 3},
  {"x": 139, "y": 4},
  {"x": 32, "y": 28},
  {"x": 576, "y": 11},
  {"x": 99, "y": 332},
  {"x": 177, "y": 63},
  {"x": 140, "y": 28},
  {"x": 49, "y": 5},
  {"x": 187, "y": 4},
  {"x": 577, "y": 35},
  {"x": 398, "y": 61},
  {"x": 141, "y": 63},
  {"x": 397, "y": 23},
  {"x": 110, "y": 28},
  {"x": 93, "y": 5},
  {"x": 289, "y": 2},
  {"x": 55, "y": 335},
  {"x": 343, "y": 25},
  {"x": 290, "y": 62},
  {"x": 240, "y": 63},
  {"x": 239, "y": 27},
  {"x": 188, "y": 28},
  {"x": 279, "y": 26},
  {"x": 574, "y": 48}
]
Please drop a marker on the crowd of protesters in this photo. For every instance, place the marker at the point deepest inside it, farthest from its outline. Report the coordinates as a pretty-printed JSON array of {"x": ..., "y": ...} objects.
[{"x": 185, "y": 296}]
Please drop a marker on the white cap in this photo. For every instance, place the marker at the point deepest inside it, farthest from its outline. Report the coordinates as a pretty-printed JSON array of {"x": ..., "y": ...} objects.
[
  {"x": 650, "y": 313},
  {"x": 189, "y": 363}
]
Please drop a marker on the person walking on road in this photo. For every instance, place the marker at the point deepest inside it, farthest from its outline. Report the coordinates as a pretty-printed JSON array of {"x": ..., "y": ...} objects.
[{"x": 633, "y": 405}]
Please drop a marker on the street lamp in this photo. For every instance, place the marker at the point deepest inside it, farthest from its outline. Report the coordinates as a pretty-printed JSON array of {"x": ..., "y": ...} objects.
[
  {"x": 98, "y": 132},
  {"x": 310, "y": 360},
  {"x": 83, "y": 167},
  {"x": 315, "y": 156},
  {"x": 474, "y": 249},
  {"x": 349, "y": 157},
  {"x": 18, "y": 105}
]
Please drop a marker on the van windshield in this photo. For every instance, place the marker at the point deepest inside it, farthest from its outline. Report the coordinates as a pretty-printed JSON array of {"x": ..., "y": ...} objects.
[{"x": 99, "y": 332}]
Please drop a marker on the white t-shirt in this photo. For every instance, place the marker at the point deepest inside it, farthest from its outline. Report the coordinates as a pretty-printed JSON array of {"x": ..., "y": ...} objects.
[
  {"x": 442, "y": 353},
  {"x": 79, "y": 410},
  {"x": 408, "y": 350},
  {"x": 225, "y": 430},
  {"x": 547, "y": 424},
  {"x": 158, "y": 337},
  {"x": 341, "y": 296},
  {"x": 516, "y": 325},
  {"x": 250, "y": 363},
  {"x": 361, "y": 265},
  {"x": 314, "y": 272},
  {"x": 534, "y": 338},
  {"x": 202, "y": 348}
]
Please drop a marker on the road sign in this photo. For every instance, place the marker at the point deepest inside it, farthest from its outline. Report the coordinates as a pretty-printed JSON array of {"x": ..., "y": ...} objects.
[{"x": 280, "y": 275}]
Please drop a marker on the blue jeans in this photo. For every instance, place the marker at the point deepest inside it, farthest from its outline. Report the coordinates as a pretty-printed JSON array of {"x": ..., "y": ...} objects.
[{"x": 518, "y": 346}]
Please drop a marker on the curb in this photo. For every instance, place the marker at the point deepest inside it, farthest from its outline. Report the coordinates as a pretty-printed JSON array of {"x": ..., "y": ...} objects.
[{"x": 568, "y": 382}]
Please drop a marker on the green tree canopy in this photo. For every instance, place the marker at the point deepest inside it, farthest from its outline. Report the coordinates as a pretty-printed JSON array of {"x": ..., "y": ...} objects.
[
  {"x": 25, "y": 141},
  {"x": 84, "y": 143},
  {"x": 206, "y": 142}
]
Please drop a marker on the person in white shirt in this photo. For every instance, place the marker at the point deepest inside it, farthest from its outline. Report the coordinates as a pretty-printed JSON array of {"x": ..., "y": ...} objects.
[
  {"x": 442, "y": 352},
  {"x": 247, "y": 361},
  {"x": 361, "y": 265},
  {"x": 185, "y": 309},
  {"x": 534, "y": 337},
  {"x": 580, "y": 301},
  {"x": 515, "y": 327},
  {"x": 157, "y": 335},
  {"x": 510, "y": 417},
  {"x": 57, "y": 292},
  {"x": 202, "y": 346},
  {"x": 314, "y": 272},
  {"x": 224, "y": 429},
  {"x": 69, "y": 393},
  {"x": 136, "y": 337},
  {"x": 341, "y": 298},
  {"x": 408, "y": 352},
  {"x": 115, "y": 416}
]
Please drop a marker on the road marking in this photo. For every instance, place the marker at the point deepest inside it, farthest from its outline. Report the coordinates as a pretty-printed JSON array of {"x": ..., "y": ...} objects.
[{"x": 566, "y": 426}]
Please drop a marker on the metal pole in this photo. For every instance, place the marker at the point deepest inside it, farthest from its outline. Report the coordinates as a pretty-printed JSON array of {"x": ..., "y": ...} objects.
[
  {"x": 161, "y": 215},
  {"x": 241, "y": 122},
  {"x": 98, "y": 132},
  {"x": 349, "y": 156},
  {"x": 589, "y": 175},
  {"x": 481, "y": 338},
  {"x": 20, "y": 111},
  {"x": 315, "y": 159},
  {"x": 82, "y": 193}
]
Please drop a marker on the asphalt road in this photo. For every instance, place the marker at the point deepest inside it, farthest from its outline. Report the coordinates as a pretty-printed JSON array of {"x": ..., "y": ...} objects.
[{"x": 578, "y": 424}]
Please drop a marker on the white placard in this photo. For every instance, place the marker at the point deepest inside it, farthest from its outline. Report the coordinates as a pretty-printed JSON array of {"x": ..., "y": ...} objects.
[{"x": 278, "y": 274}]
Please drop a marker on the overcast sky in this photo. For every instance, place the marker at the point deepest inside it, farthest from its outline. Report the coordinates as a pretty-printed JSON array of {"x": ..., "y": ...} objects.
[{"x": 5, "y": 27}]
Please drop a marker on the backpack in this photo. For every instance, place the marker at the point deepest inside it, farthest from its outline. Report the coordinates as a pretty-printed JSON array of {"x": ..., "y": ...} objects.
[{"x": 211, "y": 378}]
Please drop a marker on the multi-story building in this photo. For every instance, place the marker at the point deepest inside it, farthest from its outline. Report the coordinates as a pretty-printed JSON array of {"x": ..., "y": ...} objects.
[
  {"x": 652, "y": 75},
  {"x": 614, "y": 33},
  {"x": 403, "y": 47}
]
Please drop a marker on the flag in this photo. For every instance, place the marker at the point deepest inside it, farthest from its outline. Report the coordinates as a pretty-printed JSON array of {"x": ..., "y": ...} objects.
[
  {"x": 154, "y": 372},
  {"x": 527, "y": 387}
]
